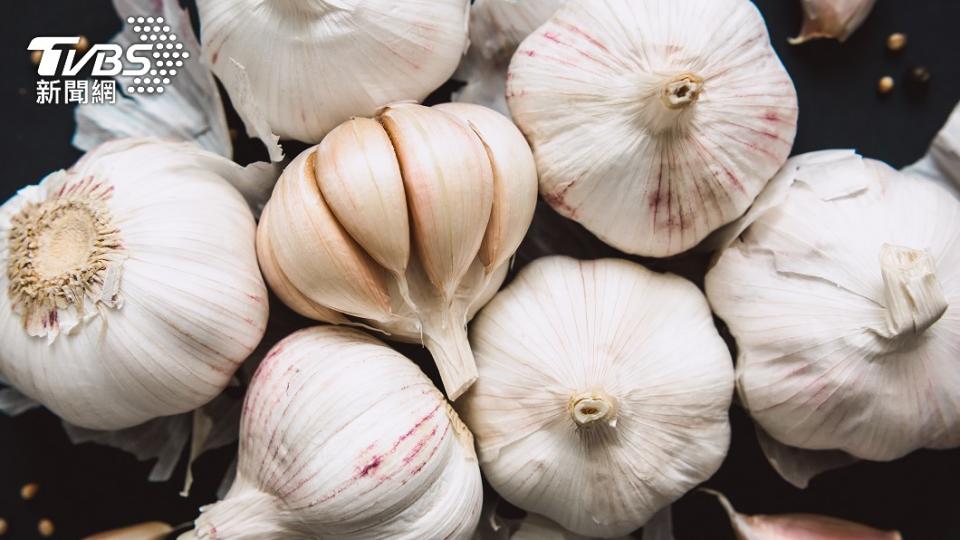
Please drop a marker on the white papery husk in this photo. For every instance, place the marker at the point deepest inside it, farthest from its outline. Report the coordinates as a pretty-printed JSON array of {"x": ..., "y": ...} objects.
[
  {"x": 835, "y": 19},
  {"x": 342, "y": 437},
  {"x": 298, "y": 69},
  {"x": 646, "y": 345},
  {"x": 189, "y": 110},
  {"x": 496, "y": 28},
  {"x": 820, "y": 367},
  {"x": 942, "y": 162},
  {"x": 179, "y": 305},
  {"x": 650, "y": 180}
]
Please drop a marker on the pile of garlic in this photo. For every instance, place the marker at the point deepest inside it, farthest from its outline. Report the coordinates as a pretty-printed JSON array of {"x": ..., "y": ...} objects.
[{"x": 405, "y": 223}]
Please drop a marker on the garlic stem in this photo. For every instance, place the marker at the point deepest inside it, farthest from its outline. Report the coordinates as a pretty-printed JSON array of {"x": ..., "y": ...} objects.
[
  {"x": 447, "y": 342},
  {"x": 681, "y": 91},
  {"x": 914, "y": 296},
  {"x": 592, "y": 408}
]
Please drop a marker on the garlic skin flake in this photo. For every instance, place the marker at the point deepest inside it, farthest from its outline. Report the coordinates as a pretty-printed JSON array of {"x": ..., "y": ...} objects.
[
  {"x": 342, "y": 437},
  {"x": 405, "y": 223},
  {"x": 496, "y": 29},
  {"x": 130, "y": 288},
  {"x": 798, "y": 526},
  {"x": 603, "y": 393},
  {"x": 842, "y": 295},
  {"x": 653, "y": 123},
  {"x": 300, "y": 68},
  {"x": 833, "y": 19}
]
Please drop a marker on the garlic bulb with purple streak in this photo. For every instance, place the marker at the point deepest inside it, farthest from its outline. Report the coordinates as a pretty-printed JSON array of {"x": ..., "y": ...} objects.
[
  {"x": 130, "y": 288},
  {"x": 343, "y": 437},
  {"x": 603, "y": 393},
  {"x": 843, "y": 293},
  {"x": 653, "y": 123},
  {"x": 405, "y": 222}
]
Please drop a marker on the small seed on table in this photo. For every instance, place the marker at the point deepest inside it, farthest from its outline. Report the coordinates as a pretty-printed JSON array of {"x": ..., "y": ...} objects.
[{"x": 29, "y": 491}]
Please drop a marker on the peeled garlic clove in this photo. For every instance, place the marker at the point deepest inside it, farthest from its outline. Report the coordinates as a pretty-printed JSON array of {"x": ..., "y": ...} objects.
[
  {"x": 130, "y": 287},
  {"x": 842, "y": 302},
  {"x": 496, "y": 28},
  {"x": 279, "y": 57},
  {"x": 358, "y": 173},
  {"x": 604, "y": 376},
  {"x": 153, "y": 530},
  {"x": 651, "y": 124},
  {"x": 449, "y": 182},
  {"x": 336, "y": 272},
  {"x": 835, "y": 19},
  {"x": 798, "y": 526},
  {"x": 342, "y": 437},
  {"x": 514, "y": 180}
]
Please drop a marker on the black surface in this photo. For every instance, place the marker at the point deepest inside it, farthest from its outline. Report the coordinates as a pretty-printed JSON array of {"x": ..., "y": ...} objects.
[{"x": 89, "y": 488}]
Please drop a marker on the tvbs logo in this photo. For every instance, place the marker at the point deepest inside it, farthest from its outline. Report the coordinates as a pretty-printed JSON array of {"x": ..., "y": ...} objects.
[{"x": 148, "y": 64}]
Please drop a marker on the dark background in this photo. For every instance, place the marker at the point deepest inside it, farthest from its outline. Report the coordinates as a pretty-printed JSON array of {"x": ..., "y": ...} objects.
[{"x": 89, "y": 488}]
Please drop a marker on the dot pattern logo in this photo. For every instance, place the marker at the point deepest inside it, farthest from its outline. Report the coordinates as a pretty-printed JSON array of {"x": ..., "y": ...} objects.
[{"x": 167, "y": 56}]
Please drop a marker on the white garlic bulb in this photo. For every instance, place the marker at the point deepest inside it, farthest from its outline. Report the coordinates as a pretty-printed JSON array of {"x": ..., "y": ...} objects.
[
  {"x": 496, "y": 28},
  {"x": 342, "y": 437},
  {"x": 405, "y": 223},
  {"x": 835, "y": 19},
  {"x": 603, "y": 393},
  {"x": 299, "y": 68},
  {"x": 843, "y": 296},
  {"x": 130, "y": 287},
  {"x": 653, "y": 123},
  {"x": 942, "y": 161}
]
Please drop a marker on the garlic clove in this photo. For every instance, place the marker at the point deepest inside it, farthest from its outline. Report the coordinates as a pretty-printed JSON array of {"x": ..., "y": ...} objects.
[
  {"x": 836, "y": 19},
  {"x": 359, "y": 176},
  {"x": 514, "y": 180},
  {"x": 337, "y": 273},
  {"x": 281, "y": 286},
  {"x": 449, "y": 184},
  {"x": 798, "y": 526},
  {"x": 653, "y": 126},
  {"x": 152, "y": 530}
]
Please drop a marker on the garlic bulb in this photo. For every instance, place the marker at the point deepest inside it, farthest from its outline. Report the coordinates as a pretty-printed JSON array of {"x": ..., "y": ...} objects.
[
  {"x": 836, "y": 19},
  {"x": 300, "y": 68},
  {"x": 496, "y": 28},
  {"x": 653, "y": 123},
  {"x": 603, "y": 393},
  {"x": 405, "y": 223},
  {"x": 798, "y": 526},
  {"x": 342, "y": 437},
  {"x": 842, "y": 295},
  {"x": 942, "y": 161},
  {"x": 130, "y": 287}
]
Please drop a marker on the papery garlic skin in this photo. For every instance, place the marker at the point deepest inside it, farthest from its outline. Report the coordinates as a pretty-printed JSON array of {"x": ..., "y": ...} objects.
[
  {"x": 342, "y": 437},
  {"x": 842, "y": 295},
  {"x": 834, "y": 19},
  {"x": 147, "y": 254},
  {"x": 405, "y": 223},
  {"x": 603, "y": 393},
  {"x": 652, "y": 123},
  {"x": 300, "y": 68},
  {"x": 496, "y": 29}
]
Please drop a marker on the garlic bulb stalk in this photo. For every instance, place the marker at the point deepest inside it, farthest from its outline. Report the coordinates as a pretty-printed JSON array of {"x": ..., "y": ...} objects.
[
  {"x": 496, "y": 28},
  {"x": 342, "y": 437},
  {"x": 405, "y": 223},
  {"x": 378, "y": 52},
  {"x": 687, "y": 119},
  {"x": 604, "y": 378},
  {"x": 798, "y": 526},
  {"x": 834, "y": 19},
  {"x": 841, "y": 292},
  {"x": 130, "y": 288}
]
